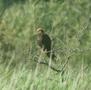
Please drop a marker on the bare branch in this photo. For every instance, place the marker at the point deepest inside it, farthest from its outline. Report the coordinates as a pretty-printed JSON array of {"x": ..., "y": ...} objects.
[{"x": 54, "y": 69}]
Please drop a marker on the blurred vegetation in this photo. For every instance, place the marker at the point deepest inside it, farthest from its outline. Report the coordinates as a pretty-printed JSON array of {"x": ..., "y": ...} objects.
[{"x": 66, "y": 21}]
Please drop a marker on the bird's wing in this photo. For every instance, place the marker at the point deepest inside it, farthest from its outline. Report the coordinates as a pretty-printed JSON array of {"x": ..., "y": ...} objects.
[{"x": 46, "y": 42}]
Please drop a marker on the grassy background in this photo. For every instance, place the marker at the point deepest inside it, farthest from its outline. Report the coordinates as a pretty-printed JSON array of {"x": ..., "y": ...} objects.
[{"x": 68, "y": 24}]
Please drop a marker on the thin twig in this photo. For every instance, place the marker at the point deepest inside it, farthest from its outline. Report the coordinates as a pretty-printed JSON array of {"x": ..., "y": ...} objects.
[
  {"x": 70, "y": 50},
  {"x": 54, "y": 69}
]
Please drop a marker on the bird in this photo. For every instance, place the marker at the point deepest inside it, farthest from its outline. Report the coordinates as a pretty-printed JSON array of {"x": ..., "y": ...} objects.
[{"x": 45, "y": 42}]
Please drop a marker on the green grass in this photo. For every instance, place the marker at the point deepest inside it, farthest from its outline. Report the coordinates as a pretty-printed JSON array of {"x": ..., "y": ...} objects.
[
  {"x": 67, "y": 23},
  {"x": 22, "y": 78}
]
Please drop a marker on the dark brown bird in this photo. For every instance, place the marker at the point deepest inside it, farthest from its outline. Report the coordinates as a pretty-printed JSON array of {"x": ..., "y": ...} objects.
[{"x": 45, "y": 42}]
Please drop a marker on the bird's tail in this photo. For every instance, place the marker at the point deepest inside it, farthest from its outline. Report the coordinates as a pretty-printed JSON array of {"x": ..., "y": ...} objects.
[{"x": 52, "y": 55}]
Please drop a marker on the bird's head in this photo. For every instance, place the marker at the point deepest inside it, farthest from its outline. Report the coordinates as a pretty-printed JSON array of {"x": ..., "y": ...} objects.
[{"x": 40, "y": 31}]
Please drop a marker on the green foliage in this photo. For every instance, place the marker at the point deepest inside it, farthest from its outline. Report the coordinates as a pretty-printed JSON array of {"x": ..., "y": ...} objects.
[{"x": 66, "y": 22}]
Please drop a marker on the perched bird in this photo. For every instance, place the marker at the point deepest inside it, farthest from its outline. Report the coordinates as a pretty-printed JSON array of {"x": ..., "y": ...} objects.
[{"x": 44, "y": 42}]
